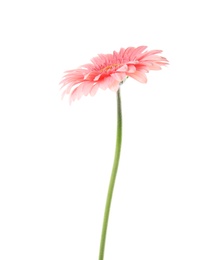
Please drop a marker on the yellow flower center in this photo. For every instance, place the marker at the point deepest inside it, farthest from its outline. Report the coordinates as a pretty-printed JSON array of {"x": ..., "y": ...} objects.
[{"x": 109, "y": 67}]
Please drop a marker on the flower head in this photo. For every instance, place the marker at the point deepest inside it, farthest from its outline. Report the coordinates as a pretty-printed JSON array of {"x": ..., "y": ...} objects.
[{"x": 109, "y": 70}]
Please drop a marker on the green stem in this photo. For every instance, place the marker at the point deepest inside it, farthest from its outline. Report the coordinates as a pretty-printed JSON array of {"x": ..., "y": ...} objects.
[{"x": 113, "y": 177}]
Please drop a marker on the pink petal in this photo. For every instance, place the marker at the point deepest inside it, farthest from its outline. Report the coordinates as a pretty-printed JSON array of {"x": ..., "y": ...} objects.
[
  {"x": 95, "y": 61},
  {"x": 73, "y": 95},
  {"x": 149, "y": 53},
  {"x": 121, "y": 53},
  {"x": 103, "y": 58},
  {"x": 139, "y": 76},
  {"x": 104, "y": 83},
  {"x": 114, "y": 86},
  {"x": 154, "y": 66},
  {"x": 128, "y": 52},
  {"x": 137, "y": 51},
  {"x": 76, "y": 93},
  {"x": 123, "y": 68},
  {"x": 88, "y": 66},
  {"x": 69, "y": 87},
  {"x": 86, "y": 87},
  {"x": 63, "y": 94},
  {"x": 131, "y": 68},
  {"x": 118, "y": 76},
  {"x": 116, "y": 56},
  {"x": 94, "y": 90},
  {"x": 97, "y": 77}
]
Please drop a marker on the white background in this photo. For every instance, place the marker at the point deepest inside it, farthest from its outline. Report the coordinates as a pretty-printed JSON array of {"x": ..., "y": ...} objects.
[{"x": 56, "y": 159}]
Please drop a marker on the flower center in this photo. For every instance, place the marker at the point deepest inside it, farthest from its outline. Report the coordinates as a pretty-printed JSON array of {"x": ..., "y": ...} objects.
[{"x": 109, "y": 67}]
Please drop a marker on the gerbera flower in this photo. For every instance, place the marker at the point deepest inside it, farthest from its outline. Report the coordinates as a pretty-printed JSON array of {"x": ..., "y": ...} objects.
[{"x": 109, "y": 70}]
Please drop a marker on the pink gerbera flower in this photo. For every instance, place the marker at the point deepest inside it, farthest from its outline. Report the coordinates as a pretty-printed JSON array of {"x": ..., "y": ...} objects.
[{"x": 109, "y": 70}]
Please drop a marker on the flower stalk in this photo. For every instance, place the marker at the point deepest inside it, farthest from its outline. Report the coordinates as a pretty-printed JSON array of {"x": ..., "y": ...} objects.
[{"x": 113, "y": 176}]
